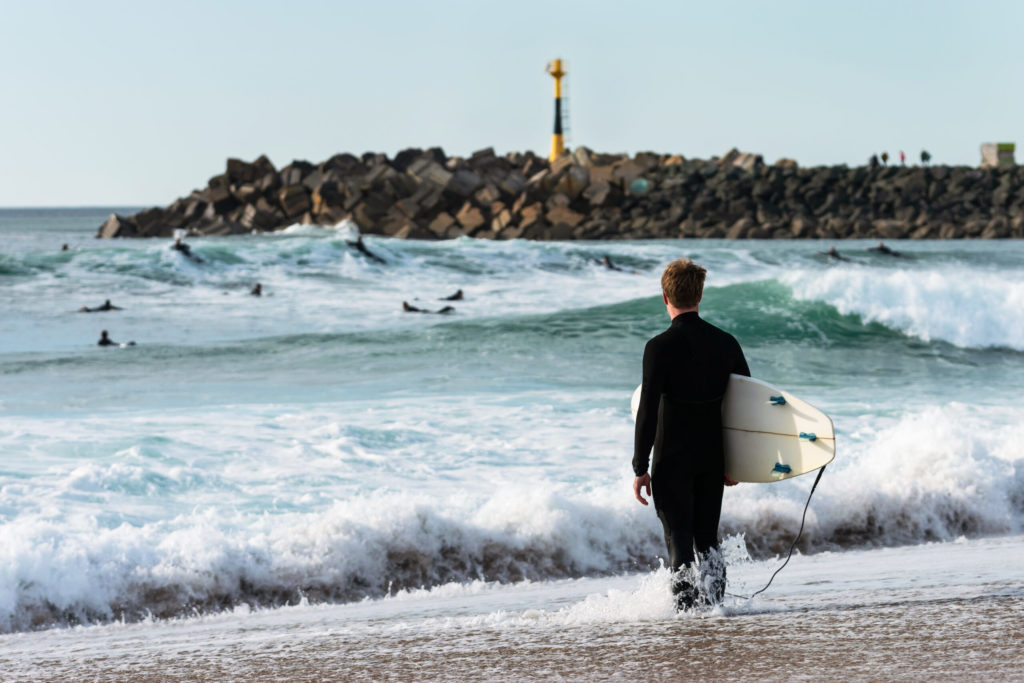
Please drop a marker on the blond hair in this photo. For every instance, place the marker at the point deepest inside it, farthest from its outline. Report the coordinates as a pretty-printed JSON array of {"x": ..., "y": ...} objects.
[{"x": 683, "y": 283}]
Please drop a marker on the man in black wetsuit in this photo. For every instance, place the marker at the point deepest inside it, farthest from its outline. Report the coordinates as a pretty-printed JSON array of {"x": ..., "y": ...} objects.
[{"x": 685, "y": 373}]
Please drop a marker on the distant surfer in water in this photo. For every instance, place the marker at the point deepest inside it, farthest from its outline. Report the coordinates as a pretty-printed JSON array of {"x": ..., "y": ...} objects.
[
  {"x": 833, "y": 253},
  {"x": 409, "y": 308},
  {"x": 107, "y": 306},
  {"x": 185, "y": 249},
  {"x": 257, "y": 290},
  {"x": 105, "y": 340},
  {"x": 361, "y": 248},
  {"x": 880, "y": 248},
  {"x": 457, "y": 296},
  {"x": 685, "y": 372}
]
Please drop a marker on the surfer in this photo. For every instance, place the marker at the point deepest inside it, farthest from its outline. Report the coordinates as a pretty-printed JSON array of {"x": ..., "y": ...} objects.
[
  {"x": 361, "y": 248},
  {"x": 105, "y": 340},
  {"x": 880, "y": 248},
  {"x": 257, "y": 290},
  {"x": 107, "y": 306},
  {"x": 833, "y": 253},
  {"x": 409, "y": 308},
  {"x": 457, "y": 296},
  {"x": 685, "y": 373},
  {"x": 185, "y": 249}
]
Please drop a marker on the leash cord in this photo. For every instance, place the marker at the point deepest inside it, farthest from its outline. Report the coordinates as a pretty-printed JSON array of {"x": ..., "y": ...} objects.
[{"x": 803, "y": 518}]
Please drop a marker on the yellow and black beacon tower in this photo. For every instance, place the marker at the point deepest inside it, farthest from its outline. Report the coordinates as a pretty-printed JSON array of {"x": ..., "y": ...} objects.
[{"x": 557, "y": 141}]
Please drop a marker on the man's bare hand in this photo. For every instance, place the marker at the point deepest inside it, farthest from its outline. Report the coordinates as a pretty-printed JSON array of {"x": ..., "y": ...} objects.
[
  {"x": 643, "y": 482},
  {"x": 729, "y": 482}
]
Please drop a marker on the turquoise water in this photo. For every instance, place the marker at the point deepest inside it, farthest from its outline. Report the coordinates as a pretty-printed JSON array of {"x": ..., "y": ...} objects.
[{"x": 320, "y": 442}]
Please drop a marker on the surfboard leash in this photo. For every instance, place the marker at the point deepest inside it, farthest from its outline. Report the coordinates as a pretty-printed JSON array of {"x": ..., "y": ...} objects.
[{"x": 792, "y": 547}]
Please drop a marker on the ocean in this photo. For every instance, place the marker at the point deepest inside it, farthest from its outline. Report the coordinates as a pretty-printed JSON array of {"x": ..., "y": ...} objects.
[{"x": 316, "y": 484}]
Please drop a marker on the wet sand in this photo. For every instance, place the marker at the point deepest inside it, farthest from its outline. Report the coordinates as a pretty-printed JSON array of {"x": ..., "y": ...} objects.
[{"x": 936, "y": 612}]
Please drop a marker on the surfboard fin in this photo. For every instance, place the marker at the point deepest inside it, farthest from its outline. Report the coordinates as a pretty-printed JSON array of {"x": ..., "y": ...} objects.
[{"x": 810, "y": 436}]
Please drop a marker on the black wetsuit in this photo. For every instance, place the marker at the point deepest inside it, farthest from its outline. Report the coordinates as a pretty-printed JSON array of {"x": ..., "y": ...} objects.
[{"x": 686, "y": 371}]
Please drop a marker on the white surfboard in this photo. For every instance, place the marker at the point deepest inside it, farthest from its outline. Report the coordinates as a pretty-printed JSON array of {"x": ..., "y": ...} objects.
[{"x": 769, "y": 434}]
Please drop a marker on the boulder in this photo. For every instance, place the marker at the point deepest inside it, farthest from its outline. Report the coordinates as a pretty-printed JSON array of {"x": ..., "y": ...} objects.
[
  {"x": 581, "y": 157},
  {"x": 531, "y": 214},
  {"x": 557, "y": 200},
  {"x": 573, "y": 181},
  {"x": 148, "y": 223},
  {"x": 487, "y": 195},
  {"x": 563, "y": 215},
  {"x": 469, "y": 217},
  {"x": 464, "y": 182},
  {"x": 439, "y": 226},
  {"x": 512, "y": 183},
  {"x": 293, "y": 173},
  {"x": 117, "y": 226},
  {"x": 428, "y": 170},
  {"x": 560, "y": 164},
  {"x": 219, "y": 188},
  {"x": 625, "y": 173},
  {"x": 262, "y": 166},
  {"x": 597, "y": 194},
  {"x": 254, "y": 218},
  {"x": 602, "y": 174},
  {"x": 240, "y": 172},
  {"x": 501, "y": 220},
  {"x": 294, "y": 200},
  {"x": 246, "y": 193}
]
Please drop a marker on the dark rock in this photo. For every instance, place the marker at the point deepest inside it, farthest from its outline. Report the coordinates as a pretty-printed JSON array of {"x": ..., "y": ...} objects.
[
  {"x": 293, "y": 173},
  {"x": 240, "y": 172},
  {"x": 464, "y": 182},
  {"x": 427, "y": 170},
  {"x": 118, "y": 226},
  {"x": 563, "y": 215},
  {"x": 294, "y": 200},
  {"x": 219, "y": 188},
  {"x": 470, "y": 217}
]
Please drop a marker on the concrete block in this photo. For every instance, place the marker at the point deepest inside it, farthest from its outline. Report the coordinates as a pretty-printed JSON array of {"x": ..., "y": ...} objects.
[
  {"x": 487, "y": 195},
  {"x": 602, "y": 174},
  {"x": 464, "y": 182},
  {"x": 428, "y": 170},
  {"x": 240, "y": 172},
  {"x": 501, "y": 220},
  {"x": 219, "y": 188},
  {"x": 439, "y": 226},
  {"x": 117, "y": 226},
  {"x": 565, "y": 216},
  {"x": 531, "y": 214},
  {"x": 294, "y": 200},
  {"x": 470, "y": 217}
]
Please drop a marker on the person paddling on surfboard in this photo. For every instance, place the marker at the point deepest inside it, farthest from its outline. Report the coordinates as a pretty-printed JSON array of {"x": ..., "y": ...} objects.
[{"x": 685, "y": 373}]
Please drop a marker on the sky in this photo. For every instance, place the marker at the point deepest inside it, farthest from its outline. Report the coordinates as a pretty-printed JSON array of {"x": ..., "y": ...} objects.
[{"x": 137, "y": 103}]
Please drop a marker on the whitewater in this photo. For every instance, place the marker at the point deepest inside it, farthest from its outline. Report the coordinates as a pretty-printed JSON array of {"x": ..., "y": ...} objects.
[{"x": 317, "y": 460}]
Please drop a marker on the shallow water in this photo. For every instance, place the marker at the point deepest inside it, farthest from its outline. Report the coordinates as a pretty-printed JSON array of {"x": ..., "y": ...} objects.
[{"x": 319, "y": 444}]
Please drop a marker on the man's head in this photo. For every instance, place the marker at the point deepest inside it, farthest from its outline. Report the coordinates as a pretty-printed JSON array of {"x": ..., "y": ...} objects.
[{"x": 683, "y": 283}]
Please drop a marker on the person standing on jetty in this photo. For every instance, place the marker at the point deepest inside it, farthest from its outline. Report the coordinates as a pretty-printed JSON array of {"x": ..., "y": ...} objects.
[{"x": 685, "y": 373}]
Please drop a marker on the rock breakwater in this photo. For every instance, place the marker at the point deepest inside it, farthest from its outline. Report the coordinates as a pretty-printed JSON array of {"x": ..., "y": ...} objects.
[{"x": 425, "y": 194}]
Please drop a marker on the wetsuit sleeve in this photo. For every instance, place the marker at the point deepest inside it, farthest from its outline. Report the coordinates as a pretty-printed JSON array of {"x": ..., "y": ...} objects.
[{"x": 647, "y": 415}]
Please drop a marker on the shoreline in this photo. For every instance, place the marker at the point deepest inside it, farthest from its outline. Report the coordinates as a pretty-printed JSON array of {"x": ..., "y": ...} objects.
[
  {"x": 425, "y": 194},
  {"x": 882, "y": 614}
]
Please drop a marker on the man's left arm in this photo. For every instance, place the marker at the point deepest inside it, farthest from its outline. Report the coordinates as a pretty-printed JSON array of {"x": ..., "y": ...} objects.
[{"x": 647, "y": 419}]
